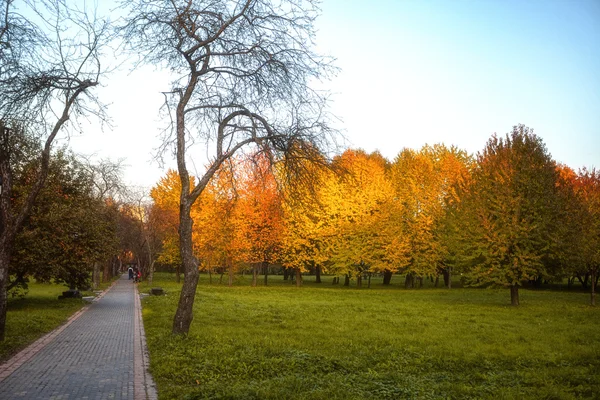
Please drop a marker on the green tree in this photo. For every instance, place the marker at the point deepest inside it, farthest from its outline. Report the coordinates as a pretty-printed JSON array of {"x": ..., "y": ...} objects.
[
  {"x": 508, "y": 212},
  {"x": 69, "y": 228}
]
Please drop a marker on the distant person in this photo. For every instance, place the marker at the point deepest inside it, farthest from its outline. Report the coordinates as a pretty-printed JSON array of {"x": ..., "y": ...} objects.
[{"x": 130, "y": 270}]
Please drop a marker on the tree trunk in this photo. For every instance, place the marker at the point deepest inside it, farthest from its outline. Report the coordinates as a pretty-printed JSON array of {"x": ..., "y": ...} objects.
[
  {"x": 449, "y": 285},
  {"x": 106, "y": 269},
  {"x": 151, "y": 272},
  {"x": 266, "y": 270},
  {"x": 369, "y": 284},
  {"x": 514, "y": 294},
  {"x": 4, "y": 263},
  {"x": 298, "y": 277},
  {"x": 593, "y": 294},
  {"x": 437, "y": 280},
  {"x": 230, "y": 275},
  {"x": 346, "y": 280},
  {"x": 584, "y": 282},
  {"x": 185, "y": 308},
  {"x": 318, "y": 274},
  {"x": 96, "y": 276},
  {"x": 387, "y": 276},
  {"x": 177, "y": 272},
  {"x": 409, "y": 281},
  {"x": 286, "y": 274},
  {"x": 359, "y": 281},
  {"x": 254, "y": 274}
]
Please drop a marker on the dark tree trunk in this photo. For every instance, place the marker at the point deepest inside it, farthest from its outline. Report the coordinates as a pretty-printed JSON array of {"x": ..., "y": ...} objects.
[
  {"x": 514, "y": 295},
  {"x": 449, "y": 285},
  {"x": 177, "y": 272},
  {"x": 593, "y": 294},
  {"x": 359, "y": 281},
  {"x": 106, "y": 270},
  {"x": 286, "y": 274},
  {"x": 420, "y": 280},
  {"x": 254, "y": 274},
  {"x": 230, "y": 267},
  {"x": 185, "y": 308},
  {"x": 437, "y": 280},
  {"x": 298, "y": 277},
  {"x": 369, "y": 284},
  {"x": 266, "y": 270},
  {"x": 346, "y": 280},
  {"x": 318, "y": 274},
  {"x": 409, "y": 281},
  {"x": 4, "y": 263},
  {"x": 335, "y": 280},
  {"x": 96, "y": 276},
  {"x": 584, "y": 281},
  {"x": 387, "y": 276}
]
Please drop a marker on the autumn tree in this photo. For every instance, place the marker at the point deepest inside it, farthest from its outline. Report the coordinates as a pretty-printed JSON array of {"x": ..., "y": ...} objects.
[
  {"x": 425, "y": 182},
  {"x": 242, "y": 71},
  {"x": 508, "y": 212},
  {"x": 259, "y": 212},
  {"x": 165, "y": 210},
  {"x": 356, "y": 202},
  {"x": 50, "y": 62},
  {"x": 588, "y": 190}
]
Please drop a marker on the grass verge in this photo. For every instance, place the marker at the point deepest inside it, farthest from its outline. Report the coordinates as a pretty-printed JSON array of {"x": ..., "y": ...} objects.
[{"x": 325, "y": 342}]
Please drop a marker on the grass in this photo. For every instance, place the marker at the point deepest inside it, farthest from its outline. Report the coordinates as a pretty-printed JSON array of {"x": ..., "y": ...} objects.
[
  {"x": 38, "y": 313},
  {"x": 330, "y": 342}
]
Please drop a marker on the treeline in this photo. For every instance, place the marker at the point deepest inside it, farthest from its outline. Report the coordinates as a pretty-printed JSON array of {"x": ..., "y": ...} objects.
[
  {"x": 84, "y": 225},
  {"x": 508, "y": 216}
]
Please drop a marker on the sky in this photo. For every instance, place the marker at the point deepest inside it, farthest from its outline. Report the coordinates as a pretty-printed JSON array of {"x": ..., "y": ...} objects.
[{"x": 416, "y": 72}]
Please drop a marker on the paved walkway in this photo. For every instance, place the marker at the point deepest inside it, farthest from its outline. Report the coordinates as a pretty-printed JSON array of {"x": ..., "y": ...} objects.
[{"x": 100, "y": 353}]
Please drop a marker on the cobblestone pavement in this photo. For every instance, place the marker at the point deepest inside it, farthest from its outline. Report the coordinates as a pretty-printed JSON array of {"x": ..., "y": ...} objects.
[{"x": 98, "y": 354}]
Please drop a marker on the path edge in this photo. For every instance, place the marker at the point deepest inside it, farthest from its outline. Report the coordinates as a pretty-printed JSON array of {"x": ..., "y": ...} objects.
[{"x": 144, "y": 387}]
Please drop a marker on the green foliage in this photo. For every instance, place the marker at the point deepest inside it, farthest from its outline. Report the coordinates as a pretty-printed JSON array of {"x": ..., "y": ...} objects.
[
  {"x": 68, "y": 229},
  {"x": 336, "y": 343},
  {"x": 508, "y": 213}
]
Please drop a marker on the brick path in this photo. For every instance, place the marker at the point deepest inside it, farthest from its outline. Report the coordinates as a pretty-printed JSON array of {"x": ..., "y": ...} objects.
[{"x": 100, "y": 353}]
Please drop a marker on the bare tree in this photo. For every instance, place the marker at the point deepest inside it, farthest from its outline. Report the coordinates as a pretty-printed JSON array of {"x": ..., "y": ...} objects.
[
  {"x": 49, "y": 61},
  {"x": 243, "y": 73}
]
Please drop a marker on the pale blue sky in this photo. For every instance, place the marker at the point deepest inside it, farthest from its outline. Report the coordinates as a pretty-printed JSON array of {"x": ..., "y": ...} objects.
[{"x": 416, "y": 72}]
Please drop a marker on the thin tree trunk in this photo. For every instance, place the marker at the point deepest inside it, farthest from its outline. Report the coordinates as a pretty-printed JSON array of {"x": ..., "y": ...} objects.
[
  {"x": 318, "y": 274},
  {"x": 254, "y": 274},
  {"x": 266, "y": 270},
  {"x": 96, "y": 276},
  {"x": 286, "y": 274},
  {"x": 369, "y": 285},
  {"x": 346, "y": 280},
  {"x": 437, "y": 280},
  {"x": 593, "y": 294},
  {"x": 359, "y": 281},
  {"x": 177, "y": 273},
  {"x": 298, "y": 277},
  {"x": 514, "y": 294},
  {"x": 449, "y": 278},
  {"x": 230, "y": 275},
  {"x": 4, "y": 263}
]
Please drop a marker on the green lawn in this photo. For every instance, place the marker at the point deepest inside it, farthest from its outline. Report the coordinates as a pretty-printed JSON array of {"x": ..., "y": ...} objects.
[{"x": 330, "y": 342}]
